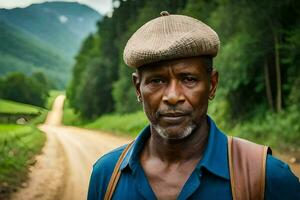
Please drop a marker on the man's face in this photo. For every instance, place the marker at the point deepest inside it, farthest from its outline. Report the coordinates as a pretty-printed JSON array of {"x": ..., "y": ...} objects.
[{"x": 175, "y": 95}]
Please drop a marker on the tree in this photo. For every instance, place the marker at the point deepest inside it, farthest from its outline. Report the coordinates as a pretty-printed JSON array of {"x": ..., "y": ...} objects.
[{"x": 31, "y": 90}]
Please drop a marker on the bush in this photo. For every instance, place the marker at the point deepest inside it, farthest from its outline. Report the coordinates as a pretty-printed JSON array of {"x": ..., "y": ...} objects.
[{"x": 30, "y": 90}]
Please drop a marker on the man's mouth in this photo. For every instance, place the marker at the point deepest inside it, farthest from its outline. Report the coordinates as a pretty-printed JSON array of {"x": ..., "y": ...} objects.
[{"x": 173, "y": 117}]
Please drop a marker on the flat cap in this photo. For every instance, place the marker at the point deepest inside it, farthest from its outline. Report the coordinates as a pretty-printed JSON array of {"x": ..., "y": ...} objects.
[{"x": 170, "y": 37}]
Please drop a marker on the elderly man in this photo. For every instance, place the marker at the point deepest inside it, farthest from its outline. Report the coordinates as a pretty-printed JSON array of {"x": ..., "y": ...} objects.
[{"x": 182, "y": 154}]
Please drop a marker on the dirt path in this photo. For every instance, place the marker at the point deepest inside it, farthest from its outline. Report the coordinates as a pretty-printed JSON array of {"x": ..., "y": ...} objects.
[{"x": 62, "y": 171}]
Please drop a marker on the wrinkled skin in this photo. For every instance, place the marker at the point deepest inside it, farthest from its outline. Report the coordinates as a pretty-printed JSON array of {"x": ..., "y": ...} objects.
[{"x": 175, "y": 95}]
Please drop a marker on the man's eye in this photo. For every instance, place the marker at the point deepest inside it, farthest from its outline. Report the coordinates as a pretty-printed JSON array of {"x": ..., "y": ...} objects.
[
  {"x": 189, "y": 79},
  {"x": 157, "y": 81}
]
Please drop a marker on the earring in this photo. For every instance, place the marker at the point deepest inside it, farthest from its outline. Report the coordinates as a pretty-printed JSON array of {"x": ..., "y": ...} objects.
[
  {"x": 211, "y": 97},
  {"x": 139, "y": 99}
]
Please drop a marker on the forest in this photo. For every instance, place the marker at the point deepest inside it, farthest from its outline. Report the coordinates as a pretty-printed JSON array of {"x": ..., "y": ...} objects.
[{"x": 258, "y": 62}]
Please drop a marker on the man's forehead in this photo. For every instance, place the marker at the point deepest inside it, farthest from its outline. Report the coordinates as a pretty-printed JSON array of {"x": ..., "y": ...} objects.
[{"x": 186, "y": 64}]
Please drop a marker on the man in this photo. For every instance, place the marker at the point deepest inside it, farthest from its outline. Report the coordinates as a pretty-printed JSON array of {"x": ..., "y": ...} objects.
[{"x": 181, "y": 154}]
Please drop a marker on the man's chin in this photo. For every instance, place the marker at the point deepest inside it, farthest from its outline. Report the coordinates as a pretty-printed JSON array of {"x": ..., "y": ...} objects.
[{"x": 174, "y": 133}]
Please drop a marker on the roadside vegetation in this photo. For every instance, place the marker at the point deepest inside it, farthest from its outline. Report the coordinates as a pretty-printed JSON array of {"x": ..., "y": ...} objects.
[
  {"x": 20, "y": 141},
  {"x": 18, "y": 146},
  {"x": 120, "y": 124}
]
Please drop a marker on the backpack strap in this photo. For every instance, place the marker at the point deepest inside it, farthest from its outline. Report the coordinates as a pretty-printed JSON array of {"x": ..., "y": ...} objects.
[
  {"x": 247, "y": 167},
  {"x": 116, "y": 174}
]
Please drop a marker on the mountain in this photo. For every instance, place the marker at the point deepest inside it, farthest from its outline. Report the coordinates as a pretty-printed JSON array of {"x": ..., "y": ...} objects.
[
  {"x": 44, "y": 37},
  {"x": 20, "y": 51}
]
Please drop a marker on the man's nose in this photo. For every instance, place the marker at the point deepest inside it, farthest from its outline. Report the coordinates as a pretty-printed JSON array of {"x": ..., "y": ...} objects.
[{"x": 173, "y": 94}]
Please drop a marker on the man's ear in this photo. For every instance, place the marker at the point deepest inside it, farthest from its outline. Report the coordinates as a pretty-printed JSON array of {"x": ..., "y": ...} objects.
[
  {"x": 214, "y": 79},
  {"x": 136, "y": 80}
]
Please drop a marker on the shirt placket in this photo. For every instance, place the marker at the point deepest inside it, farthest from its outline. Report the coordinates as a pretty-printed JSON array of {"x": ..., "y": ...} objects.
[{"x": 192, "y": 184}]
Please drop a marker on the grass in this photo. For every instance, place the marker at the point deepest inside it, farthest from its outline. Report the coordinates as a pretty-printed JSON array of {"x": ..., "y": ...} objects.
[
  {"x": 278, "y": 130},
  {"x": 18, "y": 145},
  {"x": 126, "y": 124},
  {"x": 71, "y": 118},
  {"x": 11, "y": 107}
]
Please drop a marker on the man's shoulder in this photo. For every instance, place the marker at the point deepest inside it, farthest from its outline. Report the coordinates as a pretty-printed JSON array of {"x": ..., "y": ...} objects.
[
  {"x": 278, "y": 170},
  {"x": 280, "y": 180},
  {"x": 102, "y": 171}
]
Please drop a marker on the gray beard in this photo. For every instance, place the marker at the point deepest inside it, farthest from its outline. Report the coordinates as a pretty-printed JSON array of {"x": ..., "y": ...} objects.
[{"x": 185, "y": 133}]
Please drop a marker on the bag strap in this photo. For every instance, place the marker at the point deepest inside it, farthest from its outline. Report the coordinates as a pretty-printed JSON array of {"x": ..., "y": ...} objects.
[
  {"x": 247, "y": 167},
  {"x": 116, "y": 174}
]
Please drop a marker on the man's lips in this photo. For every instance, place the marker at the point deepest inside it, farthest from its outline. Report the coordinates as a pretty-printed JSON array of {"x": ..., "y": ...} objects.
[
  {"x": 173, "y": 117},
  {"x": 173, "y": 114}
]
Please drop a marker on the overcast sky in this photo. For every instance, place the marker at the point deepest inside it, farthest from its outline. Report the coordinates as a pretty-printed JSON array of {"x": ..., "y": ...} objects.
[{"x": 102, "y": 6}]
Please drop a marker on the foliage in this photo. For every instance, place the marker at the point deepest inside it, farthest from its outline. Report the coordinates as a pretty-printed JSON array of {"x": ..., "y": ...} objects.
[
  {"x": 30, "y": 90},
  {"x": 280, "y": 131},
  {"x": 18, "y": 145},
  {"x": 69, "y": 115},
  {"x": 120, "y": 124}
]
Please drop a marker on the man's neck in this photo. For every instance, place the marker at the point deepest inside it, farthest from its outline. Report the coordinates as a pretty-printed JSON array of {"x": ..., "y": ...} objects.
[{"x": 181, "y": 150}]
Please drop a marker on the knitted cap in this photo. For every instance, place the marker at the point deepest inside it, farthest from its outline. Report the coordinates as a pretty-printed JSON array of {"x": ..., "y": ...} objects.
[{"x": 170, "y": 37}]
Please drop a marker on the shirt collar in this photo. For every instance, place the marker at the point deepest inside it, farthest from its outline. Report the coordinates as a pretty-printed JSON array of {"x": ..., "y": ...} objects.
[
  {"x": 214, "y": 158},
  {"x": 132, "y": 157}
]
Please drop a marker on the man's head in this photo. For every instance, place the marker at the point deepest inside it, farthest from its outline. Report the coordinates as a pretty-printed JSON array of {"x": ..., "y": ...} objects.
[{"x": 174, "y": 78}]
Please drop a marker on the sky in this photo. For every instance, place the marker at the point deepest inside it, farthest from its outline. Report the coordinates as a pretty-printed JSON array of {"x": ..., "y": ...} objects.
[{"x": 102, "y": 6}]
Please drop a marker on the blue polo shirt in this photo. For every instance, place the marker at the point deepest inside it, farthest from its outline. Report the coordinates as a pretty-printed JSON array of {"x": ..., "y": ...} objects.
[{"x": 210, "y": 179}]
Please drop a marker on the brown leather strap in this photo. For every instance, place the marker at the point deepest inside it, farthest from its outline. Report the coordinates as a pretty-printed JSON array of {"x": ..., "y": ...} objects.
[
  {"x": 247, "y": 166},
  {"x": 116, "y": 174}
]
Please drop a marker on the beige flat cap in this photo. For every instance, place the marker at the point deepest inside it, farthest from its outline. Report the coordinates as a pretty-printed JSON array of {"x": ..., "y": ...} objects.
[{"x": 170, "y": 37}]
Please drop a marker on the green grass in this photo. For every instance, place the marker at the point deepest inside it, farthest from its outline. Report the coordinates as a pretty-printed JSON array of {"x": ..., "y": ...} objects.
[
  {"x": 11, "y": 107},
  {"x": 18, "y": 145},
  {"x": 39, "y": 119},
  {"x": 126, "y": 124},
  {"x": 71, "y": 118},
  {"x": 278, "y": 130}
]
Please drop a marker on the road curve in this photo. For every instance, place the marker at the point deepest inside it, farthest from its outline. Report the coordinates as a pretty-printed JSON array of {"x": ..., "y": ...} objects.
[{"x": 63, "y": 169}]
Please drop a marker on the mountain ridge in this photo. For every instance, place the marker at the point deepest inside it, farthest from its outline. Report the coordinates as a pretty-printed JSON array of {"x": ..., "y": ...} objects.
[{"x": 55, "y": 28}]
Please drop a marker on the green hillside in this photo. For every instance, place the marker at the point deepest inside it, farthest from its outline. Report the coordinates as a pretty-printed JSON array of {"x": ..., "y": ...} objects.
[
  {"x": 10, "y": 107},
  {"x": 44, "y": 37},
  {"x": 61, "y": 25},
  {"x": 22, "y": 52}
]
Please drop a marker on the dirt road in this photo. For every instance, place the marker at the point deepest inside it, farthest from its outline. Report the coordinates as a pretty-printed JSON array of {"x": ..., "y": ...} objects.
[{"x": 62, "y": 170}]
